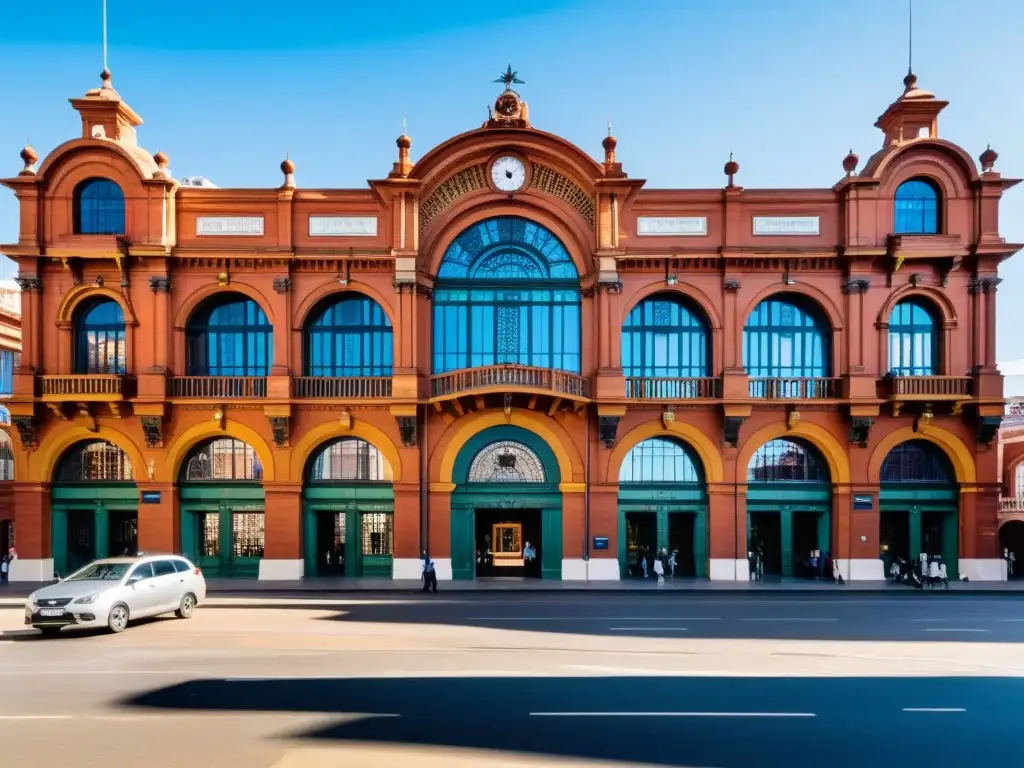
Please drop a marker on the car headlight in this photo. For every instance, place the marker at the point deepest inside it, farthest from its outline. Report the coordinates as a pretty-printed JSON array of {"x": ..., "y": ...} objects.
[{"x": 86, "y": 600}]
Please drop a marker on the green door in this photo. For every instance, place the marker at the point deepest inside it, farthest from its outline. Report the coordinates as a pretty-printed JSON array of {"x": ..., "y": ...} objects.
[
  {"x": 551, "y": 544},
  {"x": 463, "y": 526}
]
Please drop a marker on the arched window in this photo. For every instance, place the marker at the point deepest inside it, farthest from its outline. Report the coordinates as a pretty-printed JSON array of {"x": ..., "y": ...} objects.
[
  {"x": 916, "y": 461},
  {"x": 94, "y": 461},
  {"x": 659, "y": 460},
  {"x": 99, "y": 337},
  {"x": 349, "y": 336},
  {"x": 229, "y": 336},
  {"x": 349, "y": 459},
  {"x": 1018, "y": 481},
  {"x": 98, "y": 208},
  {"x": 662, "y": 337},
  {"x": 222, "y": 458},
  {"x": 785, "y": 337},
  {"x": 913, "y": 339},
  {"x": 506, "y": 462},
  {"x": 783, "y": 460},
  {"x": 916, "y": 208},
  {"x": 507, "y": 292}
]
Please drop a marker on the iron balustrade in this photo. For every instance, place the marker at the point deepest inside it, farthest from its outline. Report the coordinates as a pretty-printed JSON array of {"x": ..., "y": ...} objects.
[
  {"x": 342, "y": 387},
  {"x": 671, "y": 387},
  {"x": 509, "y": 376},
  {"x": 794, "y": 388},
  {"x": 218, "y": 387}
]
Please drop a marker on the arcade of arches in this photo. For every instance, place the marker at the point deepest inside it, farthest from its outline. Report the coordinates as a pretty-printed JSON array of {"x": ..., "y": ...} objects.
[{"x": 510, "y": 355}]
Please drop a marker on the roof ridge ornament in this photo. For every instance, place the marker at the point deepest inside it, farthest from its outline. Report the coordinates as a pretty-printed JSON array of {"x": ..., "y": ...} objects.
[
  {"x": 509, "y": 78},
  {"x": 510, "y": 110}
]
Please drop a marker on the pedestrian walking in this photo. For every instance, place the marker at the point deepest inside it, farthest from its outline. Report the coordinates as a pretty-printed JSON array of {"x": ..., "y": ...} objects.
[
  {"x": 429, "y": 574},
  {"x": 659, "y": 570}
]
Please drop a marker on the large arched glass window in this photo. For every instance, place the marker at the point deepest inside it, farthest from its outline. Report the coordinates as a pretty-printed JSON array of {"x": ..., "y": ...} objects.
[
  {"x": 506, "y": 461},
  {"x": 916, "y": 461},
  {"x": 349, "y": 336},
  {"x": 785, "y": 337},
  {"x": 783, "y": 460},
  {"x": 507, "y": 292},
  {"x": 913, "y": 339},
  {"x": 349, "y": 460},
  {"x": 916, "y": 208},
  {"x": 659, "y": 460},
  {"x": 94, "y": 461},
  {"x": 99, "y": 337},
  {"x": 220, "y": 459},
  {"x": 98, "y": 208},
  {"x": 229, "y": 336},
  {"x": 663, "y": 337}
]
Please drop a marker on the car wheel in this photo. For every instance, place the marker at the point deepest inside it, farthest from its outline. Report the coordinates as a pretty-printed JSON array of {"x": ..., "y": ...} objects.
[
  {"x": 187, "y": 606},
  {"x": 49, "y": 632},
  {"x": 118, "y": 618}
]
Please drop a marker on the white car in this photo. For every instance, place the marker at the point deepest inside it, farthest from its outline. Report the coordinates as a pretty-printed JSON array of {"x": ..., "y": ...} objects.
[{"x": 113, "y": 591}]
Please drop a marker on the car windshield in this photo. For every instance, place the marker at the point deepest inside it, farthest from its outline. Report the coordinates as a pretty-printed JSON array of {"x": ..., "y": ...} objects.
[{"x": 101, "y": 572}]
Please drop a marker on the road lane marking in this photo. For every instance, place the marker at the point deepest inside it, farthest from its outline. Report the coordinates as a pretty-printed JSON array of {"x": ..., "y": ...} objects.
[
  {"x": 933, "y": 709},
  {"x": 648, "y": 629},
  {"x": 672, "y": 714},
  {"x": 591, "y": 618},
  {"x": 953, "y": 629},
  {"x": 35, "y": 717},
  {"x": 793, "y": 618}
]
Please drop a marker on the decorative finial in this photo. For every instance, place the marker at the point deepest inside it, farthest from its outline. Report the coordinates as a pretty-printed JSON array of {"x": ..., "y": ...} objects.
[
  {"x": 609, "y": 125},
  {"x": 988, "y": 159},
  {"x": 731, "y": 169},
  {"x": 288, "y": 169},
  {"x": 509, "y": 78},
  {"x": 29, "y": 157},
  {"x": 161, "y": 161},
  {"x": 400, "y": 170},
  {"x": 850, "y": 163}
]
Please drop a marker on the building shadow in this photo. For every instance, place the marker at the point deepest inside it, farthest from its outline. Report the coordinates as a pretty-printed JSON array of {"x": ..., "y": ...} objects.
[{"x": 729, "y": 722}]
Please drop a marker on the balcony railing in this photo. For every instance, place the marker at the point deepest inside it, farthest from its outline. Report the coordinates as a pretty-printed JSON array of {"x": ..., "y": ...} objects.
[
  {"x": 794, "y": 388},
  {"x": 342, "y": 387},
  {"x": 88, "y": 385},
  {"x": 1011, "y": 504},
  {"x": 508, "y": 376},
  {"x": 924, "y": 387},
  {"x": 219, "y": 387},
  {"x": 671, "y": 388}
]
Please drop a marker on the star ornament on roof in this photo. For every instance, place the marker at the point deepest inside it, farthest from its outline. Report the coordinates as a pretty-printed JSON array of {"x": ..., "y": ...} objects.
[{"x": 509, "y": 78}]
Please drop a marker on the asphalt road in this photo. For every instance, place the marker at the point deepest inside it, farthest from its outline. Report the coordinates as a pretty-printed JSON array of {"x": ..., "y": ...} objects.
[{"x": 526, "y": 680}]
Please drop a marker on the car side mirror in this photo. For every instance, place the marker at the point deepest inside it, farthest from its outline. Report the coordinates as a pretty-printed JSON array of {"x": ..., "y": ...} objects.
[{"x": 132, "y": 581}]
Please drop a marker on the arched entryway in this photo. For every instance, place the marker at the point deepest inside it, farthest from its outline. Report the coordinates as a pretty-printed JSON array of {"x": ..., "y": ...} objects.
[
  {"x": 506, "y": 496},
  {"x": 222, "y": 503},
  {"x": 348, "y": 503},
  {"x": 789, "y": 501},
  {"x": 918, "y": 501},
  {"x": 6, "y": 492},
  {"x": 662, "y": 505},
  {"x": 93, "y": 507},
  {"x": 1011, "y": 543}
]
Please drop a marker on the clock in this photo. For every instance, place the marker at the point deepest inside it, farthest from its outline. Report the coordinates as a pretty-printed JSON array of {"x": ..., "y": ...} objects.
[{"x": 508, "y": 173}]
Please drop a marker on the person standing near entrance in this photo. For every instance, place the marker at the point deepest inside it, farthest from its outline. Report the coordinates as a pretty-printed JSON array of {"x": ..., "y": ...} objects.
[
  {"x": 659, "y": 570},
  {"x": 429, "y": 574},
  {"x": 5, "y": 565}
]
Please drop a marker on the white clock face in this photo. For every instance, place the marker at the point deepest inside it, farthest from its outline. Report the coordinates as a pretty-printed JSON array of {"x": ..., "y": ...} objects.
[{"x": 508, "y": 173}]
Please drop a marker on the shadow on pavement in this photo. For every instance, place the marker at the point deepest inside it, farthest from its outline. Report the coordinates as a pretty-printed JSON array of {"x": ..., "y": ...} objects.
[{"x": 726, "y": 722}]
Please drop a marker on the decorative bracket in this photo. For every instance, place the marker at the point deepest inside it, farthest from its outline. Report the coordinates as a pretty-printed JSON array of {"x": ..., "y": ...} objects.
[
  {"x": 731, "y": 285},
  {"x": 924, "y": 419},
  {"x": 607, "y": 429},
  {"x": 407, "y": 430},
  {"x": 26, "y": 426},
  {"x": 160, "y": 284},
  {"x": 57, "y": 409},
  {"x": 857, "y": 285},
  {"x": 986, "y": 429},
  {"x": 86, "y": 413},
  {"x": 279, "y": 426},
  {"x": 860, "y": 427},
  {"x": 792, "y": 418},
  {"x": 153, "y": 431},
  {"x": 731, "y": 430},
  {"x": 282, "y": 284}
]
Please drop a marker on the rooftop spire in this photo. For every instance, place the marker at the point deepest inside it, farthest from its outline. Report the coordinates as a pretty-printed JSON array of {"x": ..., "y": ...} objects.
[
  {"x": 910, "y": 37},
  {"x": 105, "y": 67}
]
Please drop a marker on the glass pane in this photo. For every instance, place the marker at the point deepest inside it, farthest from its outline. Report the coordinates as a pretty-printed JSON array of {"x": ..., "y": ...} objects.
[
  {"x": 247, "y": 534},
  {"x": 378, "y": 533},
  {"x": 211, "y": 534},
  {"x": 786, "y": 460},
  {"x": 506, "y": 462}
]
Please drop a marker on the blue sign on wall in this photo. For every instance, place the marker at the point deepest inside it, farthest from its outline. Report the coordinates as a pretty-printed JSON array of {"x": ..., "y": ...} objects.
[
  {"x": 151, "y": 497},
  {"x": 600, "y": 542},
  {"x": 864, "y": 502}
]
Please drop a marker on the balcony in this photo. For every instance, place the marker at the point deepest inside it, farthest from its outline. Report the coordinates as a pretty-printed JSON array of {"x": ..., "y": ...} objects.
[
  {"x": 83, "y": 387},
  {"x": 671, "y": 388},
  {"x": 507, "y": 377},
  {"x": 1012, "y": 504},
  {"x": 219, "y": 387},
  {"x": 931, "y": 388},
  {"x": 800, "y": 388},
  {"x": 342, "y": 387}
]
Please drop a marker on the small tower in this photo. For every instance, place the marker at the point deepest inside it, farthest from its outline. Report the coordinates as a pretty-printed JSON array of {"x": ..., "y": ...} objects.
[
  {"x": 401, "y": 169},
  {"x": 105, "y": 115},
  {"x": 914, "y": 115}
]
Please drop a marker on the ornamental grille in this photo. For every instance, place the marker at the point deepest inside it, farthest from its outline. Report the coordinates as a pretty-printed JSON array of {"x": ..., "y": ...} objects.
[
  {"x": 506, "y": 462},
  {"x": 462, "y": 183},
  {"x": 557, "y": 185}
]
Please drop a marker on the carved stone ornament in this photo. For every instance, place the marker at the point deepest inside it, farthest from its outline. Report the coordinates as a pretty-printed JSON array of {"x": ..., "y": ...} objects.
[
  {"x": 29, "y": 283},
  {"x": 731, "y": 285},
  {"x": 607, "y": 430},
  {"x": 279, "y": 426},
  {"x": 26, "y": 426},
  {"x": 856, "y": 286},
  {"x": 731, "y": 430},
  {"x": 160, "y": 284},
  {"x": 282, "y": 284},
  {"x": 860, "y": 427},
  {"x": 987, "y": 428},
  {"x": 407, "y": 430},
  {"x": 153, "y": 431}
]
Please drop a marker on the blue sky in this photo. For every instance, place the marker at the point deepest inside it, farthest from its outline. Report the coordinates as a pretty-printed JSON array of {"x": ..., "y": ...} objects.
[{"x": 227, "y": 87}]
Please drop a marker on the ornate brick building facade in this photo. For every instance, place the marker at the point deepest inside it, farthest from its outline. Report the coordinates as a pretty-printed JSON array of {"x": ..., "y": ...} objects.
[{"x": 508, "y": 342}]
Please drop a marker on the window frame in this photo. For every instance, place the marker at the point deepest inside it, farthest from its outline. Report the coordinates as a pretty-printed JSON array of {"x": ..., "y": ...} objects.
[
  {"x": 108, "y": 217},
  {"x": 254, "y": 332},
  {"x": 930, "y": 208},
  {"x": 375, "y": 335},
  {"x": 686, "y": 333},
  {"x": 900, "y": 334},
  {"x": 766, "y": 335},
  {"x": 96, "y": 336}
]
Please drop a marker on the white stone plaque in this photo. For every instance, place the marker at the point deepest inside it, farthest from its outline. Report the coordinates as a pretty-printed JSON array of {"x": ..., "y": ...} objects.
[
  {"x": 230, "y": 226},
  {"x": 786, "y": 225},
  {"x": 686, "y": 226},
  {"x": 343, "y": 226}
]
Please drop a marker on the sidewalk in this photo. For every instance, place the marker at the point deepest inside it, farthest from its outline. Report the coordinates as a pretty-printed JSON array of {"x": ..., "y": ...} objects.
[{"x": 319, "y": 587}]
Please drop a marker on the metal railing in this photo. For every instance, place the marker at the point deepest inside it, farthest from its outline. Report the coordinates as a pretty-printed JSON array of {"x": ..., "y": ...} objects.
[
  {"x": 928, "y": 386},
  {"x": 509, "y": 376},
  {"x": 81, "y": 384},
  {"x": 342, "y": 387},
  {"x": 219, "y": 387},
  {"x": 798, "y": 388},
  {"x": 671, "y": 387}
]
